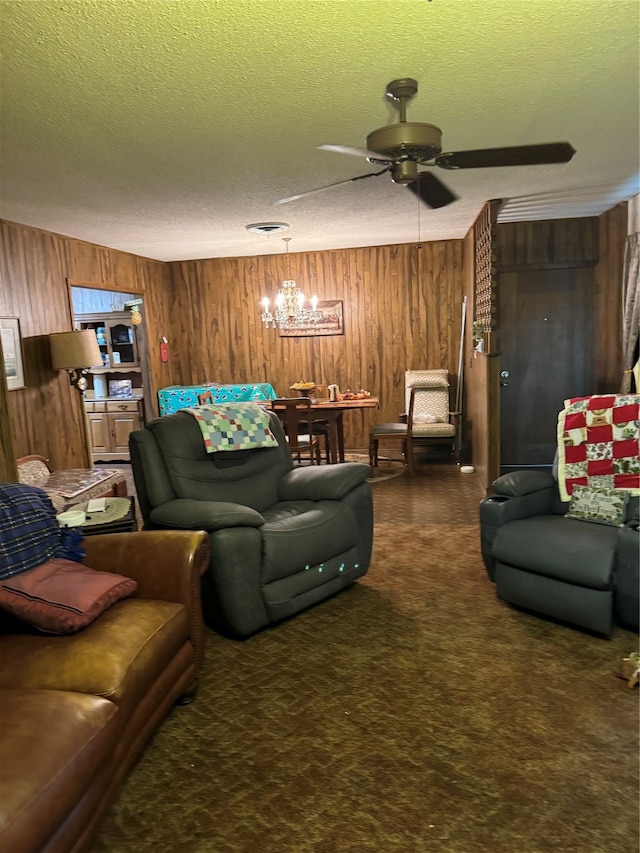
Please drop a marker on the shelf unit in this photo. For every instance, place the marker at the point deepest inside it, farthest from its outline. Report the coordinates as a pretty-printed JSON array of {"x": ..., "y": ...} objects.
[{"x": 112, "y": 415}]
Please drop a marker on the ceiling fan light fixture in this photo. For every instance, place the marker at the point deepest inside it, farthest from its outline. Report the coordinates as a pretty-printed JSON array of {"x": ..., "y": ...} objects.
[
  {"x": 267, "y": 227},
  {"x": 404, "y": 172}
]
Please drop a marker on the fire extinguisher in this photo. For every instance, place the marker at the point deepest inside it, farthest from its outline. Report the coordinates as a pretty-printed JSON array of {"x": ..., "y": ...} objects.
[{"x": 164, "y": 350}]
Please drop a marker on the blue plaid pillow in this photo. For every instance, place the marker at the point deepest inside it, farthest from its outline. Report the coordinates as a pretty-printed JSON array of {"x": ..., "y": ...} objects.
[{"x": 29, "y": 531}]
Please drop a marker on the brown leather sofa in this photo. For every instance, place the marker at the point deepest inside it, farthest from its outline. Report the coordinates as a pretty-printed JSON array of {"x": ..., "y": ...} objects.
[{"x": 76, "y": 710}]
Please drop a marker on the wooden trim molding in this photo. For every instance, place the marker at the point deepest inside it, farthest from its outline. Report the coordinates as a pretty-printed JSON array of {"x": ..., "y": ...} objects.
[{"x": 8, "y": 466}]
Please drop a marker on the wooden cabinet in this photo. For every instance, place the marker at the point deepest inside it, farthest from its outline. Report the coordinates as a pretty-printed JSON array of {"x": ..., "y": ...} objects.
[
  {"x": 99, "y": 432},
  {"x": 110, "y": 423},
  {"x": 118, "y": 343},
  {"x": 113, "y": 411},
  {"x": 116, "y": 336}
]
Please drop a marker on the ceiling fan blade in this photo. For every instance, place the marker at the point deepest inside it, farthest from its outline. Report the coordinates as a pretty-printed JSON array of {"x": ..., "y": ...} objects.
[
  {"x": 328, "y": 186},
  {"x": 356, "y": 152},
  {"x": 431, "y": 190},
  {"x": 344, "y": 149},
  {"x": 518, "y": 155}
]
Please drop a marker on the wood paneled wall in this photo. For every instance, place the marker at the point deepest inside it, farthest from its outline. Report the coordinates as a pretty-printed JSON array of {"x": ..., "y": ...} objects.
[
  {"x": 402, "y": 310},
  {"x": 46, "y": 417},
  {"x": 590, "y": 241},
  {"x": 608, "y": 275},
  {"x": 481, "y": 421},
  {"x": 556, "y": 242},
  {"x": 8, "y": 470}
]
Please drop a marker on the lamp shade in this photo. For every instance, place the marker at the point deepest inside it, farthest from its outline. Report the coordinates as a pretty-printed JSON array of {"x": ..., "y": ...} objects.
[{"x": 70, "y": 350}]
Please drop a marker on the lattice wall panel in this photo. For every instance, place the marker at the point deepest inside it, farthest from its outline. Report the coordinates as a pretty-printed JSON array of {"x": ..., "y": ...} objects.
[{"x": 486, "y": 279}]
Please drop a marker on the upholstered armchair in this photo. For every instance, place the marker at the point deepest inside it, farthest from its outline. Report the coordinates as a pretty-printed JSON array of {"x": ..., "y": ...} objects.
[
  {"x": 427, "y": 418},
  {"x": 434, "y": 421},
  {"x": 566, "y": 544},
  {"x": 577, "y": 571},
  {"x": 282, "y": 538}
]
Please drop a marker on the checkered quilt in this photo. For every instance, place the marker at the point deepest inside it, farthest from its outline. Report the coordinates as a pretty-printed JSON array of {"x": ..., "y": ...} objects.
[
  {"x": 599, "y": 443},
  {"x": 233, "y": 426}
]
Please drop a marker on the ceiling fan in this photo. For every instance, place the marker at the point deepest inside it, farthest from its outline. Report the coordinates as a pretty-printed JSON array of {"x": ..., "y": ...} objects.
[{"x": 401, "y": 148}]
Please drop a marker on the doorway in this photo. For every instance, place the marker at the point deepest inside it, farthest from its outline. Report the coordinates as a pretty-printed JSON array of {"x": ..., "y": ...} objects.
[
  {"x": 118, "y": 398},
  {"x": 547, "y": 350}
]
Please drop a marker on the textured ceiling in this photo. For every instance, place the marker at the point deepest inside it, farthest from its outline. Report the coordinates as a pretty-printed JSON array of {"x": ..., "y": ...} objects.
[{"x": 164, "y": 128}]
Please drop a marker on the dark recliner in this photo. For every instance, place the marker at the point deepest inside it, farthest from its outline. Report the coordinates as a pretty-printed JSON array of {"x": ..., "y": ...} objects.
[
  {"x": 575, "y": 571},
  {"x": 282, "y": 538}
]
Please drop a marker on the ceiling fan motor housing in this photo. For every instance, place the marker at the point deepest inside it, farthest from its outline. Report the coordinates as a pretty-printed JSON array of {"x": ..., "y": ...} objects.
[{"x": 407, "y": 140}]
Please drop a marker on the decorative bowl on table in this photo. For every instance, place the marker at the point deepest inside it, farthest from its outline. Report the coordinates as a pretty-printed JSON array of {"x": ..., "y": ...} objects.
[{"x": 303, "y": 388}]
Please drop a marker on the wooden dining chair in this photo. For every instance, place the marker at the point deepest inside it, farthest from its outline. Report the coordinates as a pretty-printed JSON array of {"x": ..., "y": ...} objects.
[
  {"x": 398, "y": 432},
  {"x": 323, "y": 429},
  {"x": 295, "y": 415}
]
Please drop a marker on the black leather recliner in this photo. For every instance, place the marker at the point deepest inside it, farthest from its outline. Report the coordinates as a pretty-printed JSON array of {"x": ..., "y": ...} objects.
[
  {"x": 282, "y": 538},
  {"x": 579, "y": 572}
]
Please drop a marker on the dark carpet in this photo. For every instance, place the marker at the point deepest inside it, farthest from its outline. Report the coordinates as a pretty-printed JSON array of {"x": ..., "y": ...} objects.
[{"x": 412, "y": 713}]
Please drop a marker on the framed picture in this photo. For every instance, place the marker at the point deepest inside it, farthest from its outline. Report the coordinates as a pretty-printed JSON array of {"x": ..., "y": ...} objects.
[
  {"x": 331, "y": 323},
  {"x": 12, "y": 352},
  {"x": 120, "y": 388}
]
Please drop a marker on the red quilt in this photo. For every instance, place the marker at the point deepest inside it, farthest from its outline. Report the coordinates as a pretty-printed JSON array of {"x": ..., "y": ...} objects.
[{"x": 599, "y": 443}]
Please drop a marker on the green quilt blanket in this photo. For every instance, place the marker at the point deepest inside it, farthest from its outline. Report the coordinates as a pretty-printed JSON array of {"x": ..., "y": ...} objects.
[{"x": 233, "y": 426}]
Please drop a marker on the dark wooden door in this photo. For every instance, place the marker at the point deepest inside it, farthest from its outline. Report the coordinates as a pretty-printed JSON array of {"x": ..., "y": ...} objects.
[{"x": 548, "y": 350}]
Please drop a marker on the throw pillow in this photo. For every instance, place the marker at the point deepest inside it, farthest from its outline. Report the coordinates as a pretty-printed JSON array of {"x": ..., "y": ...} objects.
[
  {"x": 62, "y": 597},
  {"x": 603, "y": 506}
]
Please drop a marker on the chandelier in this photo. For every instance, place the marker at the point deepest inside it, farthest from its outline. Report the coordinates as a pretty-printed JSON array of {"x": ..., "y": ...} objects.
[{"x": 290, "y": 312}]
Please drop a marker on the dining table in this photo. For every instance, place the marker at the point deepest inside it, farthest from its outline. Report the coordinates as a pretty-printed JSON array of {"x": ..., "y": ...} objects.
[
  {"x": 332, "y": 414},
  {"x": 175, "y": 397}
]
